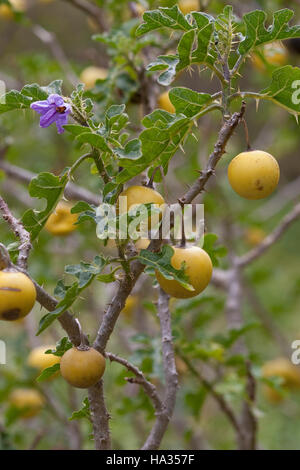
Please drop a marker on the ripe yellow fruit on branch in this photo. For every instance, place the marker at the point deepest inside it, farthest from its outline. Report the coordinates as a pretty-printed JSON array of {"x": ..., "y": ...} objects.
[
  {"x": 288, "y": 372},
  {"x": 91, "y": 74},
  {"x": 164, "y": 102},
  {"x": 82, "y": 368},
  {"x": 6, "y": 12},
  {"x": 254, "y": 236},
  {"x": 254, "y": 174},
  {"x": 28, "y": 401},
  {"x": 198, "y": 268},
  {"x": 274, "y": 53},
  {"x": 130, "y": 305},
  {"x": 137, "y": 195},
  {"x": 186, "y": 6},
  {"x": 61, "y": 221},
  {"x": 17, "y": 295},
  {"x": 39, "y": 360}
]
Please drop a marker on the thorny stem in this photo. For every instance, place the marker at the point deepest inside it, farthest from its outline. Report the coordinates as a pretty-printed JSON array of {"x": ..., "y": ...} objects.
[{"x": 20, "y": 232}]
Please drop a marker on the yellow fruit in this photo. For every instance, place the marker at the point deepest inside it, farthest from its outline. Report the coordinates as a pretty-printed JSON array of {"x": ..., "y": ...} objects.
[
  {"x": 61, "y": 221},
  {"x": 91, "y": 74},
  {"x": 198, "y": 268},
  {"x": 186, "y": 6},
  {"x": 142, "y": 244},
  {"x": 82, "y": 368},
  {"x": 39, "y": 360},
  {"x": 130, "y": 305},
  {"x": 7, "y": 12},
  {"x": 288, "y": 372},
  {"x": 27, "y": 400},
  {"x": 181, "y": 366},
  {"x": 254, "y": 175},
  {"x": 137, "y": 195},
  {"x": 165, "y": 103},
  {"x": 254, "y": 236},
  {"x": 17, "y": 295},
  {"x": 274, "y": 53}
]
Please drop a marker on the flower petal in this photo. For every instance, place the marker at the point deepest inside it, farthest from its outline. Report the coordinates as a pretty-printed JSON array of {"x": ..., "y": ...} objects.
[
  {"x": 49, "y": 117},
  {"x": 55, "y": 99},
  {"x": 40, "y": 107}
]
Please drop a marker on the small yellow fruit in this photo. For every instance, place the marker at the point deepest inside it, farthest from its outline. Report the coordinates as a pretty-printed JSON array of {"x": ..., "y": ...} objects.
[
  {"x": 137, "y": 195},
  {"x": 61, "y": 221},
  {"x": 27, "y": 400},
  {"x": 7, "y": 13},
  {"x": 39, "y": 360},
  {"x": 198, "y": 268},
  {"x": 165, "y": 103},
  {"x": 82, "y": 368},
  {"x": 130, "y": 305},
  {"x": 186, "y": 6},
  {"x": 17, "y": 295},
  {"x": 181, "y": 366},
  {"x": 254, "y": 175},
  {"x": 91, "y": 74},
  {"x": 274, "y": 53},
  {"x": 288, "y": 372},
  {"x": 254, "y": 236},
  {"x": 142, "y": 244}
]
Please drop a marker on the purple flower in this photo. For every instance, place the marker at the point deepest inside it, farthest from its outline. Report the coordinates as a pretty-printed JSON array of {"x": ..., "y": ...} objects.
[{"x": 53, "y": 109}]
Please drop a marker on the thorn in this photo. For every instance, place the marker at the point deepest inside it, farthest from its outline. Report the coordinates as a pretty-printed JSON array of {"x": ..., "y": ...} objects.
[
  {"x": 181, "y": 148},
  {"x": 296, "y": 117},
  {"x": 257, "y": 103}
]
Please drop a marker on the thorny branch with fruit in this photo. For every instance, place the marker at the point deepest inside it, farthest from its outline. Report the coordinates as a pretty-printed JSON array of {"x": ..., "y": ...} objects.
[{"x": 133, "y": 160}]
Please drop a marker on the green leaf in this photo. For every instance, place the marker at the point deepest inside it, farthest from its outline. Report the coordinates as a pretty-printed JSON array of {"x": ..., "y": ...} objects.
[
  {"x": 85, "y": 273},
  {"x": 257, "y": 33},
  {"x": 76, "y": 129},
  {"x": 214, "y": 252},
  {"x": 22, "y": 99},
  {"x": 47, "y": 373},
  {"x": 61, "y": 347},
  {"x": 53, "y": 87},
  {"x": 81, "y": 206},
  {"x": 162, "y": 262},
  {"x": 131, "y": 151},
  {"x": 158, "y": 144},
  {"x": 70, "y": 296},
  {"x": 106, "y": 278},
  {"x": 195, "y": 401},
  {"x": 95, "y": 140},
  {"x": 204, "y": 52},
  {"x": 50, "y": 187},
  {"x": 84, "y": 412},
  {"x": 164, "y": 17},
  {"x": 228, "y": 339},
  {"x": 35, "y": 92},
  {"x": 167, "y": 63},
  {"x": 283, "y": 88},
  {"x": 188, "y": 102},
  {"x": 14, "y": 100}
]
